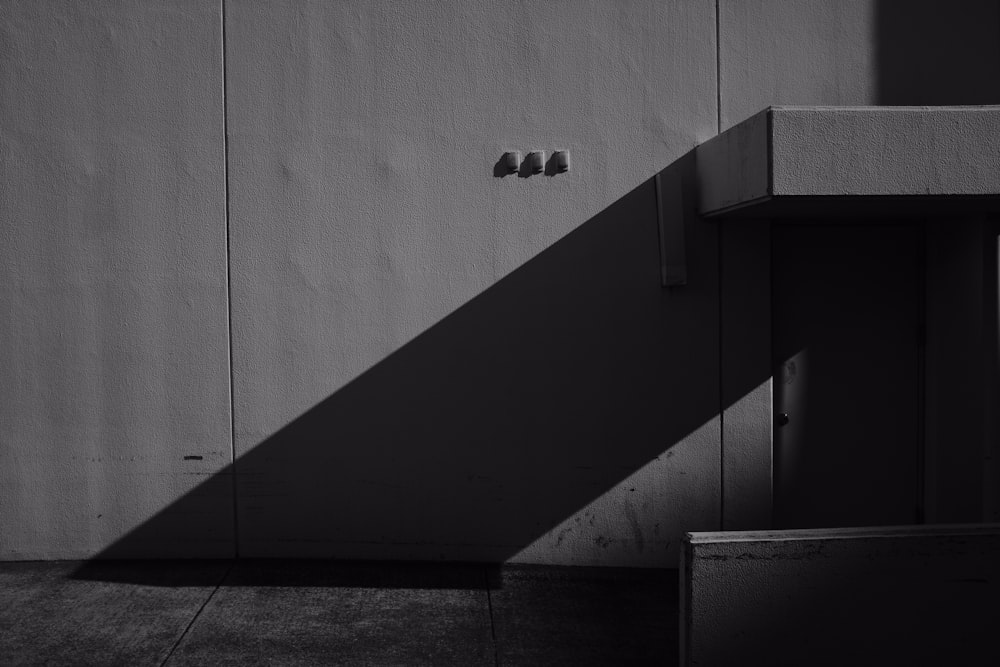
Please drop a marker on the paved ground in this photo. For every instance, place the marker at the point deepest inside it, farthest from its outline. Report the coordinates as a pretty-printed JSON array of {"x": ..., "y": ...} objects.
[{"x": 322, "y": 613}]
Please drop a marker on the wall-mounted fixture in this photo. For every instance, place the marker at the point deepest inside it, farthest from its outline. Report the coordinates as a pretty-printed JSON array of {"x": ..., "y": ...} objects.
[
  {"x": 536, "y": 162},
  {"x": 511, "y": 161},
  {"x": 561, "y": 161}
]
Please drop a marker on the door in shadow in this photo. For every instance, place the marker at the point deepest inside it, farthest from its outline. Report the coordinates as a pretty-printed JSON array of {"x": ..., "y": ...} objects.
[{"x": 848, "y": 369}]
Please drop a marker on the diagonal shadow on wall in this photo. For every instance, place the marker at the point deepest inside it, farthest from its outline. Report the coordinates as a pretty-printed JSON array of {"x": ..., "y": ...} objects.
[{"x": 499, "y": 422}]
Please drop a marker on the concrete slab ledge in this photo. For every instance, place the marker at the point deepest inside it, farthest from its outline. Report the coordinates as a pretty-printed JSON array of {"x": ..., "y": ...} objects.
[
  {"x": 806, "y": 534},
  {"x": 852, "y": 152}
]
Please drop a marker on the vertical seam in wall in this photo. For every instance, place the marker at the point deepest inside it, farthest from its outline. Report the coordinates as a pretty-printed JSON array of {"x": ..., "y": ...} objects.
[
  {"x": 722, "y": 406},
  {"x": 718, "y": 70},
  {"x": 229, "y": 290}
]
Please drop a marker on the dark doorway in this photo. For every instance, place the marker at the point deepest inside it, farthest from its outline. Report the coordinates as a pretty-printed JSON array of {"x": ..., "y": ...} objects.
[{"x": 847, "y": 313}]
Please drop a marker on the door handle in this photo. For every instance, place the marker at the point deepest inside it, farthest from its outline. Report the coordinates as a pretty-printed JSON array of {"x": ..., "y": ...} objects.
[{"x": 783, "y": 419}]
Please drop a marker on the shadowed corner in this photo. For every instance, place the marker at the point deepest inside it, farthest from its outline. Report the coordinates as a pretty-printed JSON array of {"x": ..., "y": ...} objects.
[
  {"x": 485, "y": 432},
  {"x": 929, "y": 54}
]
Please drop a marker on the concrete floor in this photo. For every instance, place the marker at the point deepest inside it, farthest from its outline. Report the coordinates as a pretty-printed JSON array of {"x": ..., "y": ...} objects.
[{"x": 320, "y": 613}]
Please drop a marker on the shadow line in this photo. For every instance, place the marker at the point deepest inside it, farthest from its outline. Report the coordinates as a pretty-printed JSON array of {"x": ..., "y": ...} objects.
[{"x": 499, "y": 422}]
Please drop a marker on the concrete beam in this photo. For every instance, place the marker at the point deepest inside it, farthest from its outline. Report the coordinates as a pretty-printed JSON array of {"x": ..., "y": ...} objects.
[
  {"x": 901, "y": 595},
  {"x": 785, "y": 153}
]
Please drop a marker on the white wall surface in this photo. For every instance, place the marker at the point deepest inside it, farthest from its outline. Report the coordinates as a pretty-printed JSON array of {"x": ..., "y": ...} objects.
[
  {"x": 854, "y": 53},
  {"x": 795, "y": 52},
  {"x": 113, "y": 335},
  {"x": 363, "y": 139},
  {"x": 428, "y": 361}
]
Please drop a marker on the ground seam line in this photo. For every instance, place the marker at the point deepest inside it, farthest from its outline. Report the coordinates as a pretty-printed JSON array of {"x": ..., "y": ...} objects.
[
  {"x": 198, "y": 613},
  {"x": 493, "y": 631}
]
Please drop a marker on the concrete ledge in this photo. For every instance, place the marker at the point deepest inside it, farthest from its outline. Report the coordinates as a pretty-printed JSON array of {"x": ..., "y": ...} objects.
[
  {"x": 850, "y": 152},
  {"x": 900, "y": 595}
]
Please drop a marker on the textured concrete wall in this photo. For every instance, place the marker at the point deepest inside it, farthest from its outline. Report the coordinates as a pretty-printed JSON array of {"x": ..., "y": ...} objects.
[
  {"x": 113, "y": 335},
  {"x": 861, "y": 52},
  {"x": 893, "y": 151},
  {"x": 567, "y": 414},
  {"x": 915, "y": 595},
  {"x": 427, "y": 360},
  {"x": 795, "y": 52}
]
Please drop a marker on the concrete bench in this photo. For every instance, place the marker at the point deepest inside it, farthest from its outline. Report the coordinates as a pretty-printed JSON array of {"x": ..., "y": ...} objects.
[{"x": 901, "y": 595}]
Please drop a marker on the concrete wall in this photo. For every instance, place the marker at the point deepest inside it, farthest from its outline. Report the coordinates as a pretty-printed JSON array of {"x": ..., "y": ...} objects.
[
  {"x": 861, "y": 52},
  {"x": 567, "y": 412},
  {"x": 113, "y": 312},
  {"x": 426, "y": 360}
]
